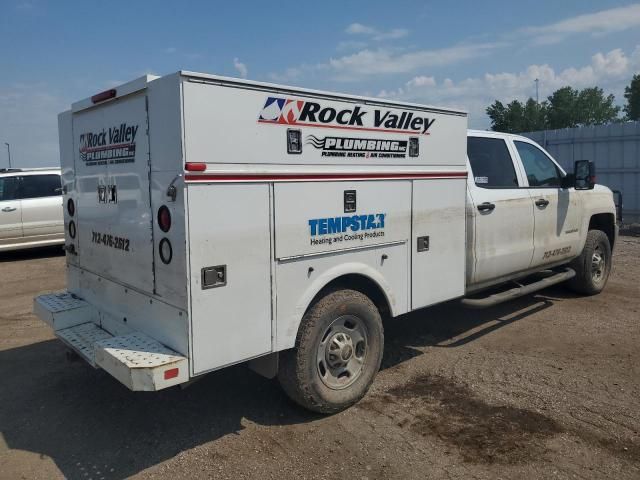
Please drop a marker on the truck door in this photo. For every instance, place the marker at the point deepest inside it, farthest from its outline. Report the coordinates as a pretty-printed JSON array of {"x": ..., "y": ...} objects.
[
  {"x": 111, "y": 155},
  {"x": 10, "y": 212},
  {"x": 555, "y": 210},
  {"x": 502, "y": 211}
]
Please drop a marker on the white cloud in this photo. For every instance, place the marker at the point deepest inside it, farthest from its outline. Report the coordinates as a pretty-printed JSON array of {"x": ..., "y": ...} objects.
[
  {"x": 392, "y": 34},
  {"x": 598, "y": 23},
  {"x": 385, "y": 61},
  {"x": 374, "y": 33},
  {"x": 359, "y": 29},
  {"x": 240, "y": 67},
  {"x": 366, "y": 63},
  {"x": 170, "y": 50},
  {"x": 611, "y": 71},
  {"x": 422, "y": 81}
]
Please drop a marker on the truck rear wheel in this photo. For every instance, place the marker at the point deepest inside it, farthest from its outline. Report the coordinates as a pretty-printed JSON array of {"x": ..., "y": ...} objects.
[
  {"x": 337, "y": 354},
  {"x": 593, "y": 265}
]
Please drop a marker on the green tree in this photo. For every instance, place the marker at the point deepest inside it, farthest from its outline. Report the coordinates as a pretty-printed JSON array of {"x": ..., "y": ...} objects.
[
  {"x": 517, "y": 117},
  {"x": 535, "y": 116},
  {"x": 563, "y": 108},
  {"x": 593, "y": 108},
  {"x": 632, "y": 94},
  {"x": 497, "y": 113}
]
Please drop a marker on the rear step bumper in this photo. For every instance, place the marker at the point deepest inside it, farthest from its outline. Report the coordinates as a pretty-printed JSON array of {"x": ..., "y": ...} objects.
[
  {"x": 136, "y": 360},
  {"x": 513, "y": 293}
]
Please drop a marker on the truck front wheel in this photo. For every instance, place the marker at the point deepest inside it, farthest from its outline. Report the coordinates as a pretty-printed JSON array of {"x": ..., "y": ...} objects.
[
  {"x": 593, "y": 265},
  {"x": 337, "y": 355}
]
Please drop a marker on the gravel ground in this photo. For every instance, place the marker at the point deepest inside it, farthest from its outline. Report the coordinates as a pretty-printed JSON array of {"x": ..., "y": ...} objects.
[{"x": 545, "y": 386}]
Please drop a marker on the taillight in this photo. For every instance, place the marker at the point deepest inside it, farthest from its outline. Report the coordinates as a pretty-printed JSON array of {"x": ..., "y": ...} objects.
[
  {"x": 165, "y": 250},
  {"x": 72, "y": 229},
  {"x": 71, "y": 207},
  {"x": 164, "y": 218}
]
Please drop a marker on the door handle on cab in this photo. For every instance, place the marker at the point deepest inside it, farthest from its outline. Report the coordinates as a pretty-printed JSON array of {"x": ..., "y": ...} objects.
[
  {"x": 486, "y": 206},
  {"x": 9, "y": 209},
  {"x": 541, "y": 202}
]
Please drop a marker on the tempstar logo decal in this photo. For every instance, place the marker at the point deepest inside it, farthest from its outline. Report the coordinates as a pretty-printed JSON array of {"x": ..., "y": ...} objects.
[
  {"x": 345, "y": 229},
  {"x": 109, "y": 146},
  {"x": 358, "y": 147},
  {"x": 289, "y": 111}
]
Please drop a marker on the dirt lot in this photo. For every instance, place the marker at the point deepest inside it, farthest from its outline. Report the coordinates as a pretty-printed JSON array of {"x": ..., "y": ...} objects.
[{"x": 546, "y": 386}]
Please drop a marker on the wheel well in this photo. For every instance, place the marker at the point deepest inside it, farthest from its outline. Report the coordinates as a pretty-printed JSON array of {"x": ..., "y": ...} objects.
[
  {"x": 606, "y": 223},
  {"x": 361, "y": 284}
]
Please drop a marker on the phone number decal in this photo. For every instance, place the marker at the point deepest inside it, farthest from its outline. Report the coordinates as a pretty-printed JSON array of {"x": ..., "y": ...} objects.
[
  {"x": 556, "y": 252},
  {"x": 119, "y": 243}
]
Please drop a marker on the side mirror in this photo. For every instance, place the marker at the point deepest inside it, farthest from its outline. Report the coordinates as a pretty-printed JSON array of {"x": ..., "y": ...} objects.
[{"x": 585, "y": 175}]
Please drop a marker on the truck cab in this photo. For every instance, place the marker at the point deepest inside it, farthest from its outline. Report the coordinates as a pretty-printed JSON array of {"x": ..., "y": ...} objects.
[{"x": 523, "y": 215}]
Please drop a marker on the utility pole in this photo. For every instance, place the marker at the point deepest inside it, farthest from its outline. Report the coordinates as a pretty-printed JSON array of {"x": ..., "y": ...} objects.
[
  {"x": 9, "y": 152},
  {"x": 537, "y": 97}
]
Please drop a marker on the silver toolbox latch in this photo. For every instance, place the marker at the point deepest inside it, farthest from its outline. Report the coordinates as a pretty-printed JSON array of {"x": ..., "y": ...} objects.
[
  {"x": 423, "y": 244},
  {"x": 213, "y": 277}
]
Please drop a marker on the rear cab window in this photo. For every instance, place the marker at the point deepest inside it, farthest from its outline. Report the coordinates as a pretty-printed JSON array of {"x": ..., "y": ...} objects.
[
  {"x": 491, "y": 163},
  {"x": 38, "y": 186}
]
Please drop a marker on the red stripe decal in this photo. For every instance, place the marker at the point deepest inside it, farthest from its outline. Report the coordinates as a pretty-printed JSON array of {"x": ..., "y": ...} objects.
[{"x": 320, "y": 176}]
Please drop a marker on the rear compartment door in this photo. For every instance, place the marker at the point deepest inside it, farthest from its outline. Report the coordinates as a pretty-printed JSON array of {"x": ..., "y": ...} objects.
[{"x": 111, "y": 155}]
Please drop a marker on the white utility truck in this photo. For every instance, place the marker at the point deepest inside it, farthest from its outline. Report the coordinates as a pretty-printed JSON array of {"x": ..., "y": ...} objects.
[{"x": 212, "y": 221}]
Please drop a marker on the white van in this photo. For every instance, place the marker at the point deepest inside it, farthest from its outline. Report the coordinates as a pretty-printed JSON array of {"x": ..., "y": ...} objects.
[{"x": 30, "y": 208}]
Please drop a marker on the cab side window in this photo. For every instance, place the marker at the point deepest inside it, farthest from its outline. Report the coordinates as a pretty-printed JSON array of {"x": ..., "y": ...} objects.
[
  {"x": 491, "y": 163},
  {"x": 8, "y": 188},
  {"x": 540, "y": 169},
  {"x": 37, "y": 186}
]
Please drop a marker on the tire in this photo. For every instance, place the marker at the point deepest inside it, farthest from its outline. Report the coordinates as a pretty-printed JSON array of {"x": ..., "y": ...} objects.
[
  {"x": 337, "y": 354},
  {"x": 593, "y": 265}
]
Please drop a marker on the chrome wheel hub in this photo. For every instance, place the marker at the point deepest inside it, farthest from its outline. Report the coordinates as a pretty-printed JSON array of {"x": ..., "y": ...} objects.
[
  {"x": 597, "y": 265},
  {"x": 342, "y": 351}
]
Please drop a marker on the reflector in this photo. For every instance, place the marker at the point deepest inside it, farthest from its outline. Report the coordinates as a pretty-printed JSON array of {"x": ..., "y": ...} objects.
[
  {"x": 166, "y": 252},
  {"x": 71, "y": 207},
  {"x": 164, "y": 218}
]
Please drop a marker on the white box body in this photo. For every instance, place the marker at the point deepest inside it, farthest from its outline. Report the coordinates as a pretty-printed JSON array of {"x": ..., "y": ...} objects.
[{"x": 299, "y": 188}]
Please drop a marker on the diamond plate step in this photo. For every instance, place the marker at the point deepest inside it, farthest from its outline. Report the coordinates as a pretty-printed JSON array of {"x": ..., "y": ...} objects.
[
  {"x": 140, "y": 362},
  {"x": 63, "y": 310},
  {"x": 135, "y": 359},
  {"x": 82, "y": 339}
]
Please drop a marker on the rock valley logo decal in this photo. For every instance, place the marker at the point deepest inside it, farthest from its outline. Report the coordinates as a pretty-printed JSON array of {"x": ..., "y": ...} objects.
[
  {"x": 289, "y": 111},
  {"x": 109, "y": 146},
  {"x": 358, "y": 147}
]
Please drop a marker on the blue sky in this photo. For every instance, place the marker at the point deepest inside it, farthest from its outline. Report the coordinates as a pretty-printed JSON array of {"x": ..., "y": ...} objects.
[{"x": 462, "y": 54}]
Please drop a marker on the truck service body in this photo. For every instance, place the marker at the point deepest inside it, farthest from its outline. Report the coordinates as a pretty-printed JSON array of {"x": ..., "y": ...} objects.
[{"x": 208, "y": 219}]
